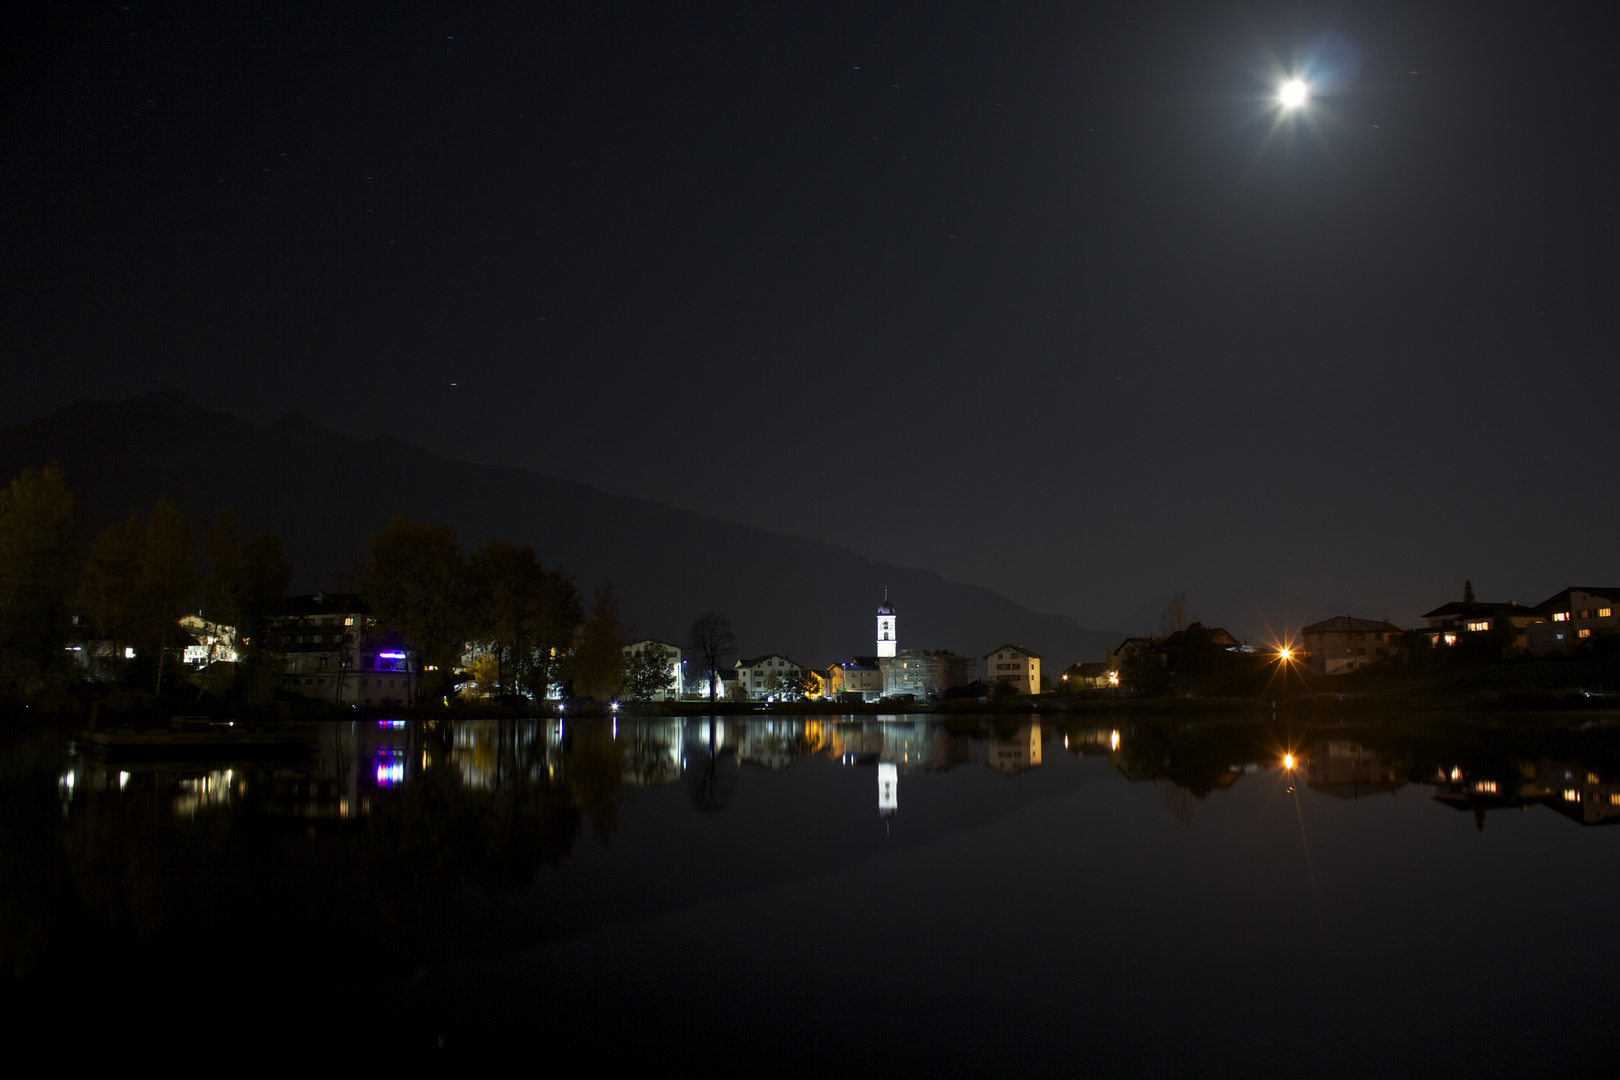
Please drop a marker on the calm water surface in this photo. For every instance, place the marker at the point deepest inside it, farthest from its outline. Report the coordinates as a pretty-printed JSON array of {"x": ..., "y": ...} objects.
[{"x": 826, "y": 895}]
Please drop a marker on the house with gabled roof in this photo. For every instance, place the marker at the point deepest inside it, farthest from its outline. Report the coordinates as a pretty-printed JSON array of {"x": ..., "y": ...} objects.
[
  {"x": 1455, "y": 622},
  {"x": 760, "y": 676},
  {"x": 1573, "y": 616},
  {"x": 1016, "y": 665},
  {"x": 1344, "y": 643}
]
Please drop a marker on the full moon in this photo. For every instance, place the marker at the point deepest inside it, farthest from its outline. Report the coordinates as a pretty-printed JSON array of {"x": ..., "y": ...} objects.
[{"x": 1293, "y": 93}]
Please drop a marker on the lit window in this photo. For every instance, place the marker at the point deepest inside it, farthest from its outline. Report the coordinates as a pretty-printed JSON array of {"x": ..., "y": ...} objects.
[
  {"x": 1478, "y": 626},
  {"x": 1583, "y": 633},
  {"x": 1614, "y": 798},
  {"x": 1572, "y": 795},
  {"x": 1451, "y": 639},
  {"x": 1560, "y": 616},
  {"x": 1605, "y": 612},
  {"x": 1587, "y": 614},
  {"x": 1485, "y": 787}
]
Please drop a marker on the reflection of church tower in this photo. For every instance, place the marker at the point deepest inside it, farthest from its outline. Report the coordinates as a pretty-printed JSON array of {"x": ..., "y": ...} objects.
[{"x": 887, "y": 637}]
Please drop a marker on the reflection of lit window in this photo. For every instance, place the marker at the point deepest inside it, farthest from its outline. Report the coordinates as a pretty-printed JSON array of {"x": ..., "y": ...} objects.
[
  {"x": 1560, "y": 616},
  {"x": 1572, "y": 795},
  {"x": 1485, "y": 787}
]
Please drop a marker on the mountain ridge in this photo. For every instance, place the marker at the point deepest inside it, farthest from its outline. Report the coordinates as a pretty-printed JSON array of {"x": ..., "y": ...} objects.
[{"x": 325, "y": 494}]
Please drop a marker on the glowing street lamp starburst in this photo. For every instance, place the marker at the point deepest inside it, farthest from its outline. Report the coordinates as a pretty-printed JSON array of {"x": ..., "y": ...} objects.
[{"x": 1293, "y": 93}]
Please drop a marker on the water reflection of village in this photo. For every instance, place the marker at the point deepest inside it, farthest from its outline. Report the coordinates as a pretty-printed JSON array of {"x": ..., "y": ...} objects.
[
  {"x": 350, "y": 766},
  {"x": 1467, "y": 770},
  {"x": 416, "y": 812}
]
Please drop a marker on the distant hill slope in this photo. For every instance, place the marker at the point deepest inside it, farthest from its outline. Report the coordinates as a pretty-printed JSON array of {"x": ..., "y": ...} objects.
[{"x": 325, "y": 494}]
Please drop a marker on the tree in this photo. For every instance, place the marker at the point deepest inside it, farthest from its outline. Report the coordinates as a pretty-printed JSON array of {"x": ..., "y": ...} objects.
[
  {"x": 417, "y": 586},
  {"x": 39, "y": 547},
  {"x": 809, "y": 684},
  {"x": 1177, "y": 615},
  {"x": 524, "y": 615},
  {"x": 110, "y": 588},
  {"x": 714, "y": 641},
  {"x": 649, "y": 672},
  {"x": 596, "y": 667},
  {"x": 168, "y": 566},
  {"x": 139, "y": 582},
  {"x": 507, "y": 583},
  {"x": 1468, "y": 592},
  {"x": 246, "y": 589}
]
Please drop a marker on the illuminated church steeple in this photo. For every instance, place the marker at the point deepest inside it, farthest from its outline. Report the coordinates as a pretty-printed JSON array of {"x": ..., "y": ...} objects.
[{"x": 887, "y": 636}]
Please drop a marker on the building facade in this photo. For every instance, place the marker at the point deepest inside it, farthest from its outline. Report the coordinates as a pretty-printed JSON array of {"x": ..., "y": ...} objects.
[
  {"x": 1573, "y": 617},
  {"x": 330, "y": 648},
  {"x": 1016, "y": 665},
  {"x": 765, "y": 676},
  {"x": 857, "y": 679},
  {"x": 1459, "y": 620},
  {"x": 925, "y": 673},
  {"x": 1345, "y": 643}
]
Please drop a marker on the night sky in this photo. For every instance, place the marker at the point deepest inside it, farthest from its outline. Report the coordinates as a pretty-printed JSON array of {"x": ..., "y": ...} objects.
[{"x": 1048, "y": 297}]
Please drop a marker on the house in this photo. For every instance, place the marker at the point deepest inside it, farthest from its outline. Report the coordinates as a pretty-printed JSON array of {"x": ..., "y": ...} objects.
[
  {"x": 215, "y": 642},
  {"x": 858, "y": 679},
  {"x": 671, "y": 655},
  {"x": 1081, "y": 676},
  {"x": 1344, "y": 643},
  {"x": 765, "y": 676},
  {"x": 1120, "y": 656},
  {"x": 1573, "y": 617},
  {"x": 1450, "y": 623},
  {"x": 332, "y": 649},
  {"x": 1198, "y": 636},
  {"x": 1016, "y": 665}
]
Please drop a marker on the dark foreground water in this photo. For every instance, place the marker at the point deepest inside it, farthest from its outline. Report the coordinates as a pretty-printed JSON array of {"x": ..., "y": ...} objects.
[{"x": 824, "y": 896}]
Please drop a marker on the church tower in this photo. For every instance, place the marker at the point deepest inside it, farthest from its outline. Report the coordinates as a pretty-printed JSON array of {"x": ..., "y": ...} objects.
[{"x": 887, "y": 637}]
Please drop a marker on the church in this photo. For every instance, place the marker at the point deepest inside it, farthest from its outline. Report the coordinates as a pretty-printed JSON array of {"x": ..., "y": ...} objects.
[{"x": 893, "y": 671}]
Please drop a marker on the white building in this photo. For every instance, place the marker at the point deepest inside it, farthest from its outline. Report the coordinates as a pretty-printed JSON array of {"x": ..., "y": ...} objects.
[
  {"x": 1014, "y": 664},
  {"x": 767, "y": 675},
  {"x": 672, "y": 656}
]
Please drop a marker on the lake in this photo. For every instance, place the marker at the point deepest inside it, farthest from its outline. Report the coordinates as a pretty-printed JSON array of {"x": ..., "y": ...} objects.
[{"x": 818, "y": 895}]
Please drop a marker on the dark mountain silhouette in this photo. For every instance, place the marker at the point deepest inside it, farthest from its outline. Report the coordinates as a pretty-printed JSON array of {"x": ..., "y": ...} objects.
[{"x": 325, "y": 494}]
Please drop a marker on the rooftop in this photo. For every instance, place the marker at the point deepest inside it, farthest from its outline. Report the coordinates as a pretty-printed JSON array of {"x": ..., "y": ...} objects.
[
  {"x": 1349, "y": 624},
  {"x": 1012, "y": 648}
]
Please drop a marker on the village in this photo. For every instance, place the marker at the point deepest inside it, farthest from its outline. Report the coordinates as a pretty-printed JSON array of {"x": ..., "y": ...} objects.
[{"x": 330, "y": 648}]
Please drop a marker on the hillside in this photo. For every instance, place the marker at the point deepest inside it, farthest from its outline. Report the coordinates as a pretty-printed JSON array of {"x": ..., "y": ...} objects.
[{"x": 325, "y": 494}]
